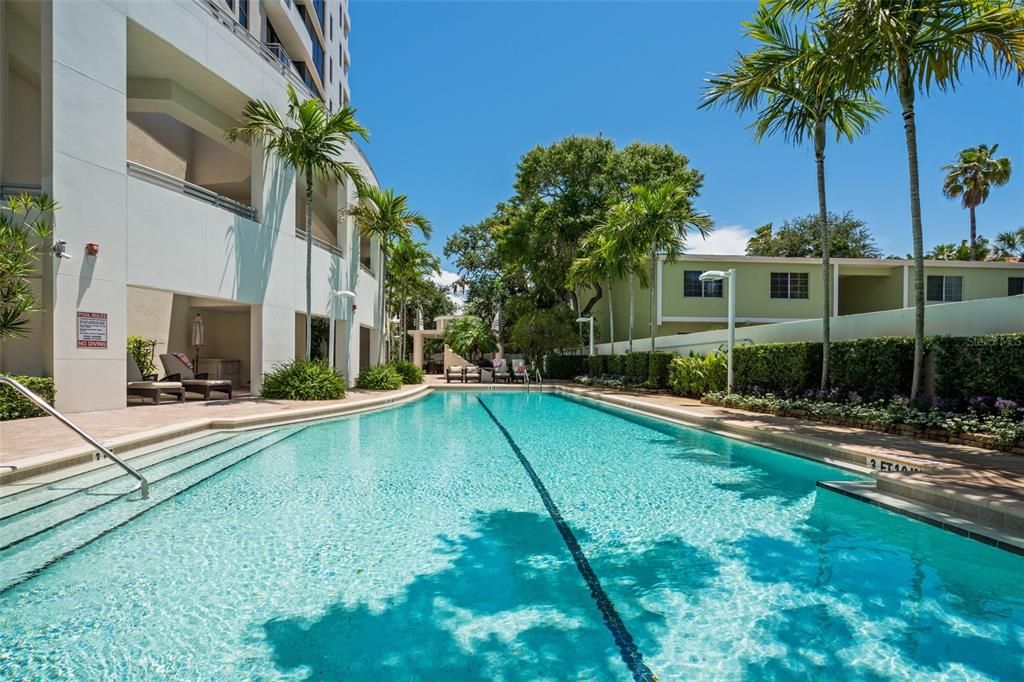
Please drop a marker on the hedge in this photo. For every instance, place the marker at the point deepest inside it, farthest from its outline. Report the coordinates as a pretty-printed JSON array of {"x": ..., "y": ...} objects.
[
  {"x": 777, "y": 367},
  {"x": 970, "y": 366},
  {"x": 564, "y": 366},
  {"x": 14, "y": 406},
  {"x": 649, "y": 369}
]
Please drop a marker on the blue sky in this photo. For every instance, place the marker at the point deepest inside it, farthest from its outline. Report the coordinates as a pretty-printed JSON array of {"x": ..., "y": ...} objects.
[{"x": 455, "y": 92}]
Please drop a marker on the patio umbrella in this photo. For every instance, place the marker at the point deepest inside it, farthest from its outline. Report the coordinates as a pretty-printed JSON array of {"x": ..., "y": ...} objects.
[{"x": 198, "y": 337}]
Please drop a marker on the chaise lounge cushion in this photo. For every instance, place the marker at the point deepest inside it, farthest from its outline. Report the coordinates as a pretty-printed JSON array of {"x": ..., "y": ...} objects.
[{"x": 178, "y": 370}]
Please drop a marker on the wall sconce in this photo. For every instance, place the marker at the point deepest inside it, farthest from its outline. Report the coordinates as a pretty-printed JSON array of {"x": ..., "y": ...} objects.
[
  {"x": 92, "y": 249},
  {"x": 60, "y": 250}
]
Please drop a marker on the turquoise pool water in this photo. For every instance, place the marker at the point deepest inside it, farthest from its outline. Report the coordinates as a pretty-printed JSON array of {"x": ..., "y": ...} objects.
[{"x": 412, "y": 544}]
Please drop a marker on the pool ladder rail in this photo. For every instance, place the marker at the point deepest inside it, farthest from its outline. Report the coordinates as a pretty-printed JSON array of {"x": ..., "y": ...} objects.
[
  {"x": 104, "y": 450},
  {"x": 537, "y": 377}
]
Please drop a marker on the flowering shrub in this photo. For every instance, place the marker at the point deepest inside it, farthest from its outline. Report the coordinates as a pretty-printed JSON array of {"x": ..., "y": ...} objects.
[{"x": 1000, "y": 421}]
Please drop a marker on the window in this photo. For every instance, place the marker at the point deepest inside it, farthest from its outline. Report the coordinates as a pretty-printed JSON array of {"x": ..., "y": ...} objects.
[
  {"x": 788, "y": 285},
  {"x": 945, "y": 288},
  {"x": 694, "y": 288},
  {"x": 1014, "y": 286},
  {"x": 243, "y": 13}
]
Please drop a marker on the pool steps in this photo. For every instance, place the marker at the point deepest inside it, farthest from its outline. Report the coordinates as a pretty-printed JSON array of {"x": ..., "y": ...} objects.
[{"x": 49, "y": 530}]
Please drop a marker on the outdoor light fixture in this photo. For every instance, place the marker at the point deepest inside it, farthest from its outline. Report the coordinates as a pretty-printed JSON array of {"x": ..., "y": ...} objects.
[
  {"x": 346, "y": 294},
  {"x": 60, "y": 250},
  {"x": 591, "y": 321},
  {"x": 718, "y": 276}
]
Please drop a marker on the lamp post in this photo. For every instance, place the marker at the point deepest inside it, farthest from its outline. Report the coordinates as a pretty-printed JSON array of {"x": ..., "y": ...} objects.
[
  {"x": 718, "y": 276},
  {"x": 591, "y": 321},
  {"x": 346, "y": 294}
]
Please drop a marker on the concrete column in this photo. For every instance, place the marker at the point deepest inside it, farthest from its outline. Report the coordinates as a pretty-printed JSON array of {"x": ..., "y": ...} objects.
[
  {"x": 417, "y": 350},
  {"x": 271, "y": 339},
  {"x": 4, "y": 70},
  {"x": 83, "y": 90}
]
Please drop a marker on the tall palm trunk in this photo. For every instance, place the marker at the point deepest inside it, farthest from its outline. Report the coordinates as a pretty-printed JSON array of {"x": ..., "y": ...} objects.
[
  {"x": 826, "y": 336},
  {"x": 905, "y": 86},
  {"x": 632, "y": 304},
  {"x": 974, "y": 236},
  {"x": 309, "y": 263},
  {"x": 385, "y": 327},
  {"x": 402, "y": 326},
  {"x": 654, "y": 289},
  {"x": 611, "y": 318}
]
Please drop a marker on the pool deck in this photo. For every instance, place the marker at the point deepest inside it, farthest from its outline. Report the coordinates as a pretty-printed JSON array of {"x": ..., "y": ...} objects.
[{"x": 969, "y": 489}]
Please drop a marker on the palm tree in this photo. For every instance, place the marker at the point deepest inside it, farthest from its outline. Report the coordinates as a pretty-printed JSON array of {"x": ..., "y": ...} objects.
[
  {"x": 593, "y": 267},
  {"x": 792, "y": 82},
  {"x": 916, "y": 45},
  {"x": 383, "y": 215},
  {"x": 655, "y": 222},
  {"x": 974, "y": 174},
  {"x": 1010, "y": 244},
  {"x": 411, "y": 265},
  {"x": 311, "y": 140}
]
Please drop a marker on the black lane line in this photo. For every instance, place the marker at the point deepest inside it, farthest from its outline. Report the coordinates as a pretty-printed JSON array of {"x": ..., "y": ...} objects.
[
  {"x": 631, "y": 656},
  {"x": 64, "y": 555}
]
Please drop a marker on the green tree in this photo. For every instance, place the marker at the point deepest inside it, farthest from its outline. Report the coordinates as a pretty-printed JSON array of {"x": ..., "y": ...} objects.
[
  {"x": 470, "y": 337},
  {"x": 800, "y": 237},
  {"x": 311, "y": 140},
  {"x": 961, "y": 251},
  {"x": 790, "y": 79},
  {"x": 383, "y": 215},
  {"x": 544, "y": 331},
  {"x": 915, "y": 46},
  {"x": 410, "y": 268},
  {"x": 656, "y": 222},
  {"x": 971, "y": 178},
  {"x": 24, "y": 225},
  {"x": 1010, "y": 244}
]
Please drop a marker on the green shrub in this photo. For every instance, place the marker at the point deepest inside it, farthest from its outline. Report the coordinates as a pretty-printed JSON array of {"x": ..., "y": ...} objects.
[
  {"x": 616, "y": 364},
  {"x": 142, "y": 350},
  {"x": 15, "y": 406},
  {"x": 410, "y": 373},
  {"x": 638, "y": 365},
  {"x": 780, "y": 367},
  {"x": 564, "y": 366},
  {"x": 597, "y": 365},
  {"x": 382, "y": 378},
  {"x": 303, "y": 380},
  {"x": 880, "y": 367},
  {"x": 657, "y": 369},
  {"x": 969, "y": 366},
  {"x": 695, "y": 375}
]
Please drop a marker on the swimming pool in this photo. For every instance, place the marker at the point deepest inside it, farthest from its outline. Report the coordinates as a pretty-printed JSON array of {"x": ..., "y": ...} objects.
[{"x": 513, "y": 536}]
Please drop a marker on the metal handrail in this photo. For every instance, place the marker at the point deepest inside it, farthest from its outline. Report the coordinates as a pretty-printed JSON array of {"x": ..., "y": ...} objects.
[
  {"x": 46, "y": 407},
  {"x": 161, "y": 179},
  {"x": 229, "y": 22},
  {"x": 322, "y": 243}
]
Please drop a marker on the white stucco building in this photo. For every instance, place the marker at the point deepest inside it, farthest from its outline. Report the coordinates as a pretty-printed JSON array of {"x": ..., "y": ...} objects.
[{"x": 118, "y": 109}]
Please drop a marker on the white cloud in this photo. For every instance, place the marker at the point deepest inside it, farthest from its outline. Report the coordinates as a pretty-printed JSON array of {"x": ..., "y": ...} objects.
[
  {"x": 446, "y": 278},
  {"x": 723, "y": 241}
]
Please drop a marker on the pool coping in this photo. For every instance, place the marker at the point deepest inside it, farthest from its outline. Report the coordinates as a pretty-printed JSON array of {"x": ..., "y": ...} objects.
[
  {"x": 969, "y": 515},
  {"x": 134, "y": 444}
]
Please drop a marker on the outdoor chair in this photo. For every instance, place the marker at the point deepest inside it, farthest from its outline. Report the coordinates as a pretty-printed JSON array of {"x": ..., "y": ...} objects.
[
  {"x": 471, "y": 373},
  {"x": 148, "y": 387},
  {"x": 177, "y": 370},
  {"x": 501, "y": 373},
  {"x": 455, "y": 372},
  {"x": 518, "y": 371}
]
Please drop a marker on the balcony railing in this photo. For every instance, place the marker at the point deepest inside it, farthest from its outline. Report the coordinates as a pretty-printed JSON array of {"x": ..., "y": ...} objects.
[
  {"x": 284, "y": 66},
  {"x": 325, "y": 245},
  {"x": 180, "y": 186},
  {"x": 13, "y": 189}
]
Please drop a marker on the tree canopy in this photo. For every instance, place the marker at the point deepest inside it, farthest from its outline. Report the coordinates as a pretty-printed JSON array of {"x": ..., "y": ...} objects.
[{"x": 801, "y": 238}]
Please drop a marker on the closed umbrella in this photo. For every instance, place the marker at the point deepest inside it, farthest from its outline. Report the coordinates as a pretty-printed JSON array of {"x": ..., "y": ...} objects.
[{"x": 198, "y": 337}]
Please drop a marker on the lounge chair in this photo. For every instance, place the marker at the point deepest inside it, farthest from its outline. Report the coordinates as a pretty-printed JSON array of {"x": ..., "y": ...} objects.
[
  {"x": 455, "y": 372},
  {"x": 518, "y": 371},
  {"x": 148, "y": 387},
  {"x": 501, "y": 372},
  {"x": 177, "y": 370},
  {"x": 471, "y": 373}
]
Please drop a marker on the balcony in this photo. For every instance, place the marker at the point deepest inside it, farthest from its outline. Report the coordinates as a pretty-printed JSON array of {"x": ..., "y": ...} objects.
[{"x": 189, "y": 189}]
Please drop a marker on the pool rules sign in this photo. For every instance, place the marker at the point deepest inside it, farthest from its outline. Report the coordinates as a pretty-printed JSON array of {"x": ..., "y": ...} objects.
[{"x": 92, "y": 330}]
